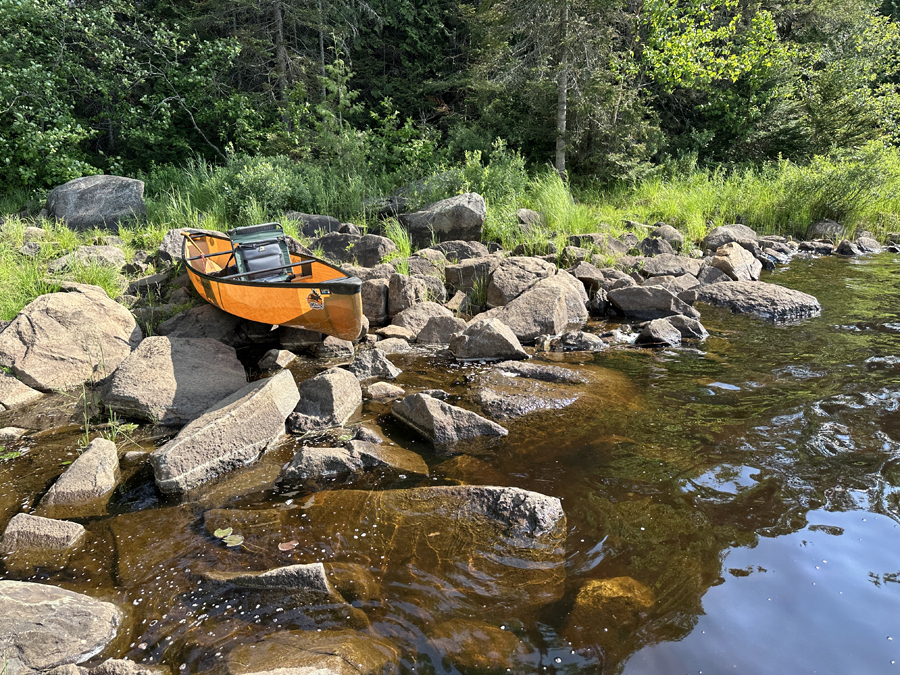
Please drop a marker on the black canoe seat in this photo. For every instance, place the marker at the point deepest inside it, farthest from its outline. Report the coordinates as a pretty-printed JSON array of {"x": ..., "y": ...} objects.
[{"x": 261, "y": 253}]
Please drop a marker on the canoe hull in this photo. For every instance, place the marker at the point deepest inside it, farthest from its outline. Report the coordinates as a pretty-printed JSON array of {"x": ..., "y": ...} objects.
[{"x": 324, "y": 300}]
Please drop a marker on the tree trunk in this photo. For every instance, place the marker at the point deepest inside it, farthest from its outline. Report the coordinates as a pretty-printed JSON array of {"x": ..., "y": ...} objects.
[
  {"x": 282, "y": 58},
  {"x": 562, "y": 91},
  {"x": 322, "y": 47}
]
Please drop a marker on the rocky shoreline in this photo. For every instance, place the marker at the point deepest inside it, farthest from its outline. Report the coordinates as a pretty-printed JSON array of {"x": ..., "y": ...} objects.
[{"x": 223, "y": 392}]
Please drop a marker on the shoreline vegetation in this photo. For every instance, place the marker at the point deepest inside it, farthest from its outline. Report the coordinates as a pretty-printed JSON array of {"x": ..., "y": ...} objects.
[{"x": 860, "y": 189}]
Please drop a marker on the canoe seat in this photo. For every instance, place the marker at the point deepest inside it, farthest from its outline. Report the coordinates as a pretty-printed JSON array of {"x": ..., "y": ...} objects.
[{"x": 261, "y": 249}]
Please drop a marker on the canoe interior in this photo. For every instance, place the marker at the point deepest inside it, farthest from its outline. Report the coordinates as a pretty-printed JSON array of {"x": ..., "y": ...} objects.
[{"x": 320, "y": 297}]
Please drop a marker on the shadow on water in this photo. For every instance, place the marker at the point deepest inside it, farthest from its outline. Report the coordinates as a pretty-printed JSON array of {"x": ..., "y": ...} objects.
[{"x": 729, "y": 507}]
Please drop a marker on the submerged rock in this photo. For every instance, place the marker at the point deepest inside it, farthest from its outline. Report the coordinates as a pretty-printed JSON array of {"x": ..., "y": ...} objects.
[
  {"x": 572, "y": 341},
  {"x": 314, "y": 465},
  {"x": 767, "y": 301},
  {"x": 474, "y": 646},
  {"x": 373, "y": 363},
  {"x": 513, "y": 389},
  {"x": 42, "y": 626},
  {"x": 227, "y": 436},
  {"x": 61, "y": 340},
  {"x": 441, "y": 423}
]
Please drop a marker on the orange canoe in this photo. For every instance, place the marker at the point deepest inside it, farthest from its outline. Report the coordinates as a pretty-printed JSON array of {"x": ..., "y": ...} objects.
[{"x": 251, "y": 274}]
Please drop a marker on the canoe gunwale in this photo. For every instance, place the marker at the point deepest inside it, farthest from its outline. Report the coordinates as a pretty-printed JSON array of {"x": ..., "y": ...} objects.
[{"x": 342, "y": 286}]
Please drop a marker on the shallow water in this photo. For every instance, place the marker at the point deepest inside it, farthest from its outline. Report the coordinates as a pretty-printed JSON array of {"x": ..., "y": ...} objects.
[{"x": 751, "y": 483}]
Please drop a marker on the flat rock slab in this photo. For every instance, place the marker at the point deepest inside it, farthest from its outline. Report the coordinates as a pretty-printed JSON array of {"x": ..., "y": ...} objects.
[
  {"x": 767, "y": 301},
  {"x": 513, "y": 389},
  {"x": 227, "y": 436},
  {"x": 172, "y": 381},
  {"x": 61, "y": 340},
  {"x": 84, "y": 488},
  {"x": 314, "y": 465},
  {"x": 310, "y": 578},
  {"x": 42, "y": 627},
  {"x": 673, "y": 265},
  {"x": 441, "y": 423},
  {"x": 649, "y": 302}
]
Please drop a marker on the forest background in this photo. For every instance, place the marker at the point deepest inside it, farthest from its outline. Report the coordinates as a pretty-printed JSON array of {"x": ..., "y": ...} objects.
[{"x": 695, "y": 112}]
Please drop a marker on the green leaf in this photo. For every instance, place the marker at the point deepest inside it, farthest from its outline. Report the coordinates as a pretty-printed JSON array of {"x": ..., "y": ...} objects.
[
  {"x": 233, "y": 540},
  {"x": 221, "y": 534}
]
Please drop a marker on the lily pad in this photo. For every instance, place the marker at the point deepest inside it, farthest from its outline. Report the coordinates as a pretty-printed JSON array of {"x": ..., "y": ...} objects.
[
  {"x": 222, "y": 533},
  {"x": 233, "y": 540}
]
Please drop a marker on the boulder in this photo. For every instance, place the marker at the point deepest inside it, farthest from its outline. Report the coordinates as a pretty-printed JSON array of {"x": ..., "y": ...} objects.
[
  {"x": 735, "y": 261},
  {"x": 458, "y": 250},
  {"x": 653, "y": 246},
  {"x": 575, "y": 295},
  {"x": 826, "y": 229},
  {"x": 767, "y": 301},
  {"x": 172, "y": 381},
  {"x": 816, "y": 247},
  {"x": 60, "y": 340},
  {"x": 440, "y": 330},
  {"x": 659, "y": 333},
  {"x": 383, "y": 390},
  {"x": 461, "y": 217},
  {"x": 538, "y": 311},
  {"x": 471, "y": 273},
  {"x": 530, "y": 218},
  {"x": 847, "y": 247},
  {"x": 312, "y": 225},
  {"x": 14, "y": 394},
  {"x": 404, "y": 292},
  {"x": 712, "y": 275},
  {"x": 227, "y": 436},
  {"x": 441, "y": 423},
  {"x": 690, "y": 329},
  {"x": 672, "y": 265},
  {"x": 573, "y": 341},
  {"x": 725, "y": 234},
  {"x": 86, "y": 485},
  {"x": 36, "y": 535},
  {"x": 649, "y": 302},
  {"x": 415, "y": 318},
  {"x": 427, "y": 262},
  {"x": 97, "y": 201},
  {"x": 336, "y": 246},
  {"x": 867, "y": 245},
  {"x": 393, "y": 345},
  {"x": 371, "y": 249},
  {"x": 42, "y": 626},
  {"x": 392, "y": 331},
  {"x": 205, "y": 321},
  {"x": 107, "y": 256},
  {"x": 676, "y": 285},
  {"x": 315, "y": 465},
  {"x": 374, "y": 294},
  {"x": 513, "y": 277},
  {"x": 487, "y": 339},
  {"x": 669, "y": 233},
  {"x": 589, "y": 275},
  {"x": 326, "y": 400},
  {"x": 334, "y": 348},
  {"x": 434, "y": 288},
  {"x": 513, "y": 389},
  {"x": 275, "y": 359},
  {"x": 373, "y": 363}
]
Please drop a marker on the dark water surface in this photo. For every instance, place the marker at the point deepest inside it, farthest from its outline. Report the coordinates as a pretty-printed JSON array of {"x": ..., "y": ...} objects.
[{"x": 750, "y": 485}]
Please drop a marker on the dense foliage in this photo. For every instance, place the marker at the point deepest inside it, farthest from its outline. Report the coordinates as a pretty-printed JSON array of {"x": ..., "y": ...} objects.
[{"x": 376, "y": 94}]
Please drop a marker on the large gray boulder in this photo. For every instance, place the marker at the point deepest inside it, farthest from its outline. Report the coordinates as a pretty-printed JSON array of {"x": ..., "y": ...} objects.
[
  {"x": 440, "y": 330},
  {"x": 227, "y": 436},
  {"x": 461, "y": 217},
  {"x": 405, "y": 292},
  {"x": 576, "y": 296},
  {"x": 659, "y": 333},
  {"x": 649, "y": 302},
  {"x": 471, "y": 273},
  {"x": 316, "y": 465},
  {"x": 671, "y": 265},
  {"x": 312, "y": 225},
  {"x": 415, "y": 318},
  {"x": 14, "y": 394},
  {"x": 514, "y": 276},
  {"x": 538, "y": 311},
  {"x": 84, "y": 488},
  {"x": 337, "y": 246},
  {"x": 767, "y": 301},
  {"x": 373, "y": 363},
  {"x": 374, "y": 294},
  {"x": 826, "y": 229},
  {"x": 737, "y": 262},
  {"x": 29, "y": 534},
  {"x": 489, "y": 339},
  {"x": 458, "y": 250},
  {"x": 97, "y": 201},
  {"x": 42, "y": 627},
  {"x": 441, "y": 423},
  {"x": 726, "y": 234},
  {"x": 172, "y": 381},
  {"x": 60, "y": 340},
  {"x": 326, "y": 400},
  {"x": 371, "y": 249}
]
